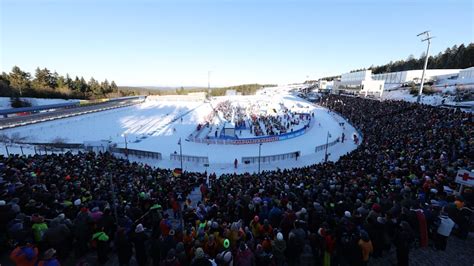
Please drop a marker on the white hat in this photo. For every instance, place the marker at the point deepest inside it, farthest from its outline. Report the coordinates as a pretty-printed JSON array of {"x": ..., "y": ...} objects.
[
  {"x": 139, "y": 228},
  {"x": 347, "y": 214},
  {"x": 2, "y": 202},
  {"x": 280, "y": 236},
  {"x": 77, "y": 202}
]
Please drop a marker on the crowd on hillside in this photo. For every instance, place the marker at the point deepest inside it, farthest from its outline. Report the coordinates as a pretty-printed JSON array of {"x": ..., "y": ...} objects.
[
  {"x": 276, "y": 125},
  {"x": 257, "y": 122},
  {"x": 226, "y": 109},
  {"x": 396, "y": 190}
]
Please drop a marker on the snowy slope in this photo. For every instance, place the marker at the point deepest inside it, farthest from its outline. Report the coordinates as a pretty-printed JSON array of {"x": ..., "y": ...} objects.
[{"x": 404, "y": 95}]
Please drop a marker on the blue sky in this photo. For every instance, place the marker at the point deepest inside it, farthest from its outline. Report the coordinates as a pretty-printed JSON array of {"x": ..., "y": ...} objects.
[{"x": 174, "y": 43}]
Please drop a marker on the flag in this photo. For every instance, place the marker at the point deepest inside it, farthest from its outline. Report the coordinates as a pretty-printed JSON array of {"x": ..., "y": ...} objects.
[
  {"x": 179, "y": 142},
  {"x": 329, "y": 135},
  {"x": 177, "y": 172}
]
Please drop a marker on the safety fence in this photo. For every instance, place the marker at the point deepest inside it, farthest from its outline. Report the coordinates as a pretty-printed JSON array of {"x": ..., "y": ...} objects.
[
  {"x": 271, "y": 158},
  {"x": 138, "y": 153},
  {"x": 58, "y": 148},
  {"x": 190, "y": 158},
  {"x": 323, "y": 147},
  {"x": 39, "y": 148}
]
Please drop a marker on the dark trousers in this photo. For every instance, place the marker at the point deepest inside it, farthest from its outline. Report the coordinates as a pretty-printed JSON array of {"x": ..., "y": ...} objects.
[
  {"x": 441, "y": 242},
  {"x": 402, "y": 257}
]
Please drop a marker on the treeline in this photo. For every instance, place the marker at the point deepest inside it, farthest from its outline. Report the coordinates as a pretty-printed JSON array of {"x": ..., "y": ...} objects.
[
  {"x": 331, "y": 78},
  {"x": 246, "y": 89},
  {"x": 452, "y": 58},
  {"x": 131, "y": 90},
  {"x": 47, "y": 84}
]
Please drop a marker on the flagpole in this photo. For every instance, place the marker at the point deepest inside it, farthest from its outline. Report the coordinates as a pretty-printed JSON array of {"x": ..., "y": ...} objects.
[
  {"x": 326, "y": 152},
  {"x": 181, "y": 154}
]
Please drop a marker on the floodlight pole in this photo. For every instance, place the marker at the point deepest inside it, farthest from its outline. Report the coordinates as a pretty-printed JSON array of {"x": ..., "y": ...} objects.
[
  {"x": 209, "y": 82},
  {"x": 126, "y": 145},
  {"x": 181, "y": 153},
  {"x": 259, "y": 155},
  {"x": 326, "y": 152},
  {"x": 428, "y": 39}
]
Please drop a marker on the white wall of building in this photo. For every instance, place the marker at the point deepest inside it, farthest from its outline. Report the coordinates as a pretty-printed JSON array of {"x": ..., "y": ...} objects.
[
  {"x": 322, "y": 84},
  {"x": 372, "y": 86},
  {"x": 360, "y": 82},
  {"x": 356, "y": 76},
  {"x": 414, "y": 75},
  {"x": 467, "y": 73}
]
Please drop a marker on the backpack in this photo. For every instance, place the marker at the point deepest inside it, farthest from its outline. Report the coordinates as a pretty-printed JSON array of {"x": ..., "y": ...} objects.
[{"x": 346, "y": 239}]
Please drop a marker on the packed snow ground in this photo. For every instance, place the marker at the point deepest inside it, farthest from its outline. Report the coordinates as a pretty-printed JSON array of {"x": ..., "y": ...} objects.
[
  {"x": 6, "y": 104},
  {"x": 148, "y": 126},
  {"x": 404, "y": 95}
]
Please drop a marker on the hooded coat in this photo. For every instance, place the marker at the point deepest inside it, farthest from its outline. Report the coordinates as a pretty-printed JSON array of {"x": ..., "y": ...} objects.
[{"x": 278, "y": 249}]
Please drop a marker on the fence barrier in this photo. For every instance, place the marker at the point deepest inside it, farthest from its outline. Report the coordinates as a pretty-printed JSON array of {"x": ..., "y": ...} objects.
[
  {"x": 47, "y": 148},
  {"x": 43, "y": 148},
  {"x": 190, "y": 158},
  {"x": 271, "y": 158},
  {"x": 138, "y": 153},
  {"x": 323, "y": 147}
]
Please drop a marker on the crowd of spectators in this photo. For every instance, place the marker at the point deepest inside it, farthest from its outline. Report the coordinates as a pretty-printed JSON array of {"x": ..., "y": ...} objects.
[
  {"x": 280, "y": 124},
  {"x": 226, "y": 109},
  {"x": 259, "y": 124},
  {"x": 396, "y": 190}
]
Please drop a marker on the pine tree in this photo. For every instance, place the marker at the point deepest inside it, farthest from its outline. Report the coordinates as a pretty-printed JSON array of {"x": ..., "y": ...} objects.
[
  {"x": 84, "y": 88},
  {"x": 19, "y": 80},
  {"x": 113, "y": 87}
]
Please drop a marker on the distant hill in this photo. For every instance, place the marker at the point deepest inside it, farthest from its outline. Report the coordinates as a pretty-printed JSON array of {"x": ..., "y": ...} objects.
[
  {"x": 161, "y": 88},
  {"x": 245, "y": 89}
]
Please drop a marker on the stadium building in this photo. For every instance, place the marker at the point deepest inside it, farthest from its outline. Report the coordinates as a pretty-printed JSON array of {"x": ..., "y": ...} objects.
[
  {"x": 407, "y": 76},
  {"x": 466, "y": 74},
  {"x": 359, "y": 82}
]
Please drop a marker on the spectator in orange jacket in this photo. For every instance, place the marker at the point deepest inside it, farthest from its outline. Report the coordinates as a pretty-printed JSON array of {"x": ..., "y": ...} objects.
[
  {"x": 365, "y": 246},
  {"x": 24, "y": 255}
]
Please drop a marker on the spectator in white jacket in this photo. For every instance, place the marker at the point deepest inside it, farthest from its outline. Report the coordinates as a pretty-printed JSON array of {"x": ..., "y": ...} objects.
[{"x": 444, "y": 230}]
